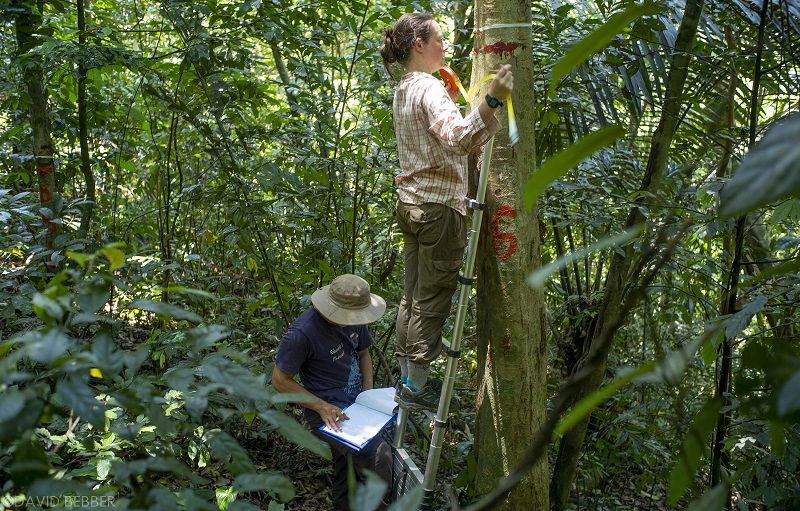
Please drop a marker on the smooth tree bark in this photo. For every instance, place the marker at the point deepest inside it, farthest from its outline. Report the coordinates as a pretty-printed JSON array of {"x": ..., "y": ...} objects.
[
  {"x": 511, "y": 399},
  {"x": 619, "y": 272},
  {"x": 27, "y": 21},
  {"x": 87, "y": 209}
]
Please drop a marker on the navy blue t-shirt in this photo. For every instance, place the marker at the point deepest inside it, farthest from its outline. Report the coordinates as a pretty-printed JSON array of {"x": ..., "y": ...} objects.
[{"x": 326, "y": 357}]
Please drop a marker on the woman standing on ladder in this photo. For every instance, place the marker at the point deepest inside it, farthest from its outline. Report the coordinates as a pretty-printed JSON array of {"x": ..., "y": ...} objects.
[{"x": 433, "y": 143}]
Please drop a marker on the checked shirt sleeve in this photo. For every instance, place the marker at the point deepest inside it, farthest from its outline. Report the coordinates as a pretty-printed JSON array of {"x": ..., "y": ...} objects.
[{"x": 460, "y": 134}]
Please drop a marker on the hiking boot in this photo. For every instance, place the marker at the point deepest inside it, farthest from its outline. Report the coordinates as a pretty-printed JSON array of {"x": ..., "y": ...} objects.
[{"x": 425, "y": 399}]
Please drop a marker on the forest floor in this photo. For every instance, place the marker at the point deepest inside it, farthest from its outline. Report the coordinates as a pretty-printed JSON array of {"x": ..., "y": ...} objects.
[
  {"x": 311, "y": 476},
  {"x": 311, "y": 473}
]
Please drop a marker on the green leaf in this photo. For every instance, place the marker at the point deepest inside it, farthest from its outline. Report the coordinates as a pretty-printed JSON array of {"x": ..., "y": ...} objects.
[
  {"x": 49, "y": 487},
  {"x": 368, "y": 495},
  {"x": 5, "y": 348},
  {"x": 81, "y": 259},
  {"x": 191, "y": 291},
  {"x": 225, "y": 496},
  {"x": 785, "y": 267},
  {"x": 94, "y": 294},
  {"x": 770, "y": 171},
  {"x": 274, "y": 482},
  {"x": 11, "y": 402},
  {"x": 180, "y": 377},
  {"x": 46, "y": 308},
  {"x": 563, "y": 161},
  {"x": 538, "y": 278},
  {"x": 229, "y": 452},
  {"x": 105, "y": 353},
  {"x": 410, "y": 500},
  {"x": 196, "y": 404},
  {"x": 238, "y": 379},
  {"x": 165, "y": 309},
  {"x": 709, "y": 350},
  {"x": 712, "y": 500},
  {"x": 48, "y": 347},
  {"x": 672, "y": 367},
  {"x": 191, "y": 500},
  {"x": 24, "y": 420},
  {"x": 239, "y": 505},
  {"x": 777, "y": 438},
  {"x": 115, "y": 256},
  {"x": 204, "y": 336},
  {"x": 789, "y": 396},
  {"x": 290, "y": 397},
  {"x": 588, "y": 404},
  {"x": 103, "y": 468},
  {"x": 165, "y": 426},
  {"x": 296, "y": 433},
  {"x": 467, "y": 474},
  {"x": 694, "y": 446},
  {"x": 30, "y": 463},
  {"x": 135, "y": 359},
  {"x": 124, "y": 469},
  {"x": 739, "y": 321},
  {"x": 596, "y": 41},
  {"x": 80, "y": 397}
]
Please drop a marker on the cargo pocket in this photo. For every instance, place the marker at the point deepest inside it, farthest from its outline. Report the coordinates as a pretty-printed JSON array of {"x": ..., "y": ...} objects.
[
  {"x": 426, "y": 213},
  {"x": 446, "y": 273}
]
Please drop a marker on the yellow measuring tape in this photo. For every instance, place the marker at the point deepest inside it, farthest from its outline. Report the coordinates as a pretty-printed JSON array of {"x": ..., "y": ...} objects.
[{"x": 453, "y": 82}]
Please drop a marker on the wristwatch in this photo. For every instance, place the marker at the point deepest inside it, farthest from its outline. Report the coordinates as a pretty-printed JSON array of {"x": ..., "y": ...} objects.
[{"x": 492, "y": 101}]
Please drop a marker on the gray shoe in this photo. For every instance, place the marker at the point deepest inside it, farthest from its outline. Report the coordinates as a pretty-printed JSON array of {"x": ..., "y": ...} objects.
[{"x": 426, "y": 398}]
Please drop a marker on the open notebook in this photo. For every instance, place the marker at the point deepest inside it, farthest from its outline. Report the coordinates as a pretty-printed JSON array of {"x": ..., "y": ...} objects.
[{"x": 372, "y": 411}]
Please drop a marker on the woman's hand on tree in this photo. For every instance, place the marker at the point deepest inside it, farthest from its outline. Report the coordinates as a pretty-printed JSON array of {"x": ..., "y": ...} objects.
[{"x": 503, "y": 83}]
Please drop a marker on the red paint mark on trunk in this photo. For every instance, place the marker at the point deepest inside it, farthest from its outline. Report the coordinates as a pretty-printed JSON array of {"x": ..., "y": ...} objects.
[
  {"x": 499, "y": 48},
  {"x": 504, "y": 244},
  {"x": 46, "y": 199},
  {"x": 45, "y": 193}
]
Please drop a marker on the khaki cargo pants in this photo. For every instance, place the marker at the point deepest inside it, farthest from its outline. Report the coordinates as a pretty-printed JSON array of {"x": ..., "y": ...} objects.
[{"x": 435, "y": 236}]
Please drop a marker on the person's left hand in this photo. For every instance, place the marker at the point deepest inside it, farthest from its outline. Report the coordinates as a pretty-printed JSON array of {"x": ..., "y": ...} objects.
[{"x": 503, "y": 83}]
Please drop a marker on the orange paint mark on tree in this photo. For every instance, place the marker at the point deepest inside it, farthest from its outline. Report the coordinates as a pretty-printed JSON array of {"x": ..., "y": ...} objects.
[
  {"x": 499, "y": 48},
  {"x": 46, "y": 199},
  {"x": 504, "y": 244},
  {"x": 45, "y": 193}
]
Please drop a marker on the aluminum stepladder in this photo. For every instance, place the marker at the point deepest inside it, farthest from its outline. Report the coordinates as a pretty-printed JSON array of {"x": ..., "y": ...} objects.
[{"x": 453, "y": 351}]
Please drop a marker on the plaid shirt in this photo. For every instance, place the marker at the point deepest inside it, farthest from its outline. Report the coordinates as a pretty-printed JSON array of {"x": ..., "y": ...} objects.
[{"x": 434, "y": 141}]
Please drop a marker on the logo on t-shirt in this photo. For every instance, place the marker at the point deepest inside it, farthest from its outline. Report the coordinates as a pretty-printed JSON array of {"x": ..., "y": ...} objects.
[{"x": 337, "y": 352}]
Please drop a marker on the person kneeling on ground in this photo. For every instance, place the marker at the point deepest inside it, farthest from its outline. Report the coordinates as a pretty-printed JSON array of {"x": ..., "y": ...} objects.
[{"x": 328, "y": 346}]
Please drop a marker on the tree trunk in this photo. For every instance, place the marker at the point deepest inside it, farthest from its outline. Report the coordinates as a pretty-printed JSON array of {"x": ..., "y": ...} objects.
[
  {"x": 511, "y": 401},
  {"x": 724, "y": 372},
  {"x": 608, "y": 319},
  {"x": 27, "y": 22},
  {"x": 83, "y": 125}
]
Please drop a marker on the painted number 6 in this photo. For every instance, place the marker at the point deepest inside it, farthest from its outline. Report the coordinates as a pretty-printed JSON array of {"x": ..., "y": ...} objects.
[{"x": 504, "y": 244}]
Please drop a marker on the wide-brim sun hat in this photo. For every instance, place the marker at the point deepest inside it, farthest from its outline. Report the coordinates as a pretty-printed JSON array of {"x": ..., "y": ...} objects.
[{"x": 347, "y": 301}]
